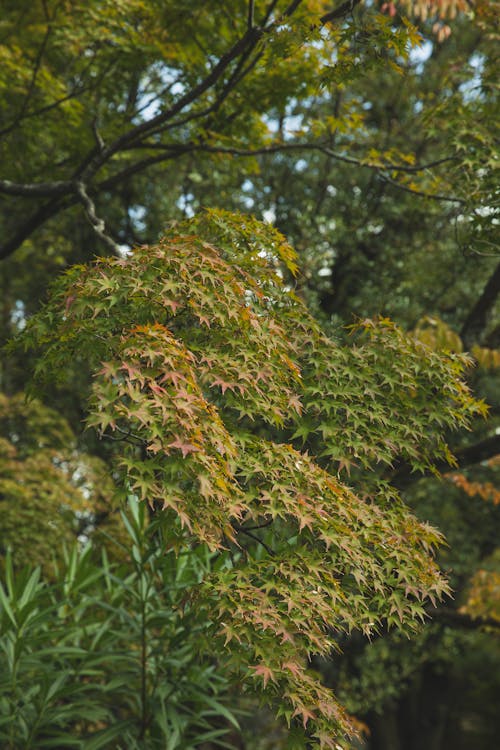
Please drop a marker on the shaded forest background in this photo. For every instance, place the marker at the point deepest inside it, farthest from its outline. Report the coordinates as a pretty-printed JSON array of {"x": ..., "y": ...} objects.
[{"x": 371, "y": 142}]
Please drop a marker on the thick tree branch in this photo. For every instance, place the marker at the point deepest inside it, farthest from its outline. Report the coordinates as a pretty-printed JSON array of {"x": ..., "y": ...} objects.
[
  {"x": 36, "y": 189},
  {"x": 478, "y": 318},
  {"x": 38, "y": 219},
  {"x": 251, "y": 11},
  {"x": 478, "y": 452},
  {"x": 341, "y": 12},
  {"x": 249, "y": 39},
  {"x": 64, "y": 189}
]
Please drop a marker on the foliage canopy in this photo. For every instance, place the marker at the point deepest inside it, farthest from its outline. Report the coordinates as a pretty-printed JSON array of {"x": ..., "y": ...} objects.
[{"x": 209, "y": 374}]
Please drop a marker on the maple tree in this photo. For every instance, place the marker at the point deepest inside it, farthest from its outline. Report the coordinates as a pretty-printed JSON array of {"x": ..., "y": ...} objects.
[
  {"x": 376, "y": 161},
  {"x": 404, "y": 690},
  {"x": 209, "y": 374}
]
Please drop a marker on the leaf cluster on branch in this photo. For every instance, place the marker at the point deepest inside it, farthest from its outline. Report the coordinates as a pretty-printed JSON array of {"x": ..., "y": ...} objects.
[{"x": 209, "y": 374}]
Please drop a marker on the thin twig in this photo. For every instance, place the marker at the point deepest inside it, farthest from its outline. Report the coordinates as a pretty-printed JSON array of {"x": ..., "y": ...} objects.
[
  {"x": 260, "y": 526},
  {"x": 256, "y": 538},
  {"x": 251, "y": 9}
]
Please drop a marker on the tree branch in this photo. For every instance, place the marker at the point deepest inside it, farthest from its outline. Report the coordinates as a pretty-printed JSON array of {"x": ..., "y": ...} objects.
[
  {"x": 43, "y": 214},
  {"x": 251, "y": 10},
  {"x": 66, "y": 194},
  {"x": 468, "y": 456},
  {"x": 36, "y": 189},
  {"x": 97, "y": 224},
  {"x": 63, "y": 189},
  {"x": 249, "y": 39},
  {"x": 478, "y": 317},
  {"x": 341, "y": 12},
  {"x": 253, "y": 536},
  {"x": 421, "y": 193},
  {"x": 36, "y": 67}
]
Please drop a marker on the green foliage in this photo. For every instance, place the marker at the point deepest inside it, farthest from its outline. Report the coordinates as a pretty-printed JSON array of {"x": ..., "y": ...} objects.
[
  {"x": 206, "y": 368},
  {"x": 379, "y": 164},
  {"x": 107, "y": 656},
  {"x": 50, "y": 492}
]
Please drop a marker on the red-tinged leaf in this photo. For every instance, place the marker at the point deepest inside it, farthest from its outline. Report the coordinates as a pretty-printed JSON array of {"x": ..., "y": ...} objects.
[
  {"x": 293, "y": 667},
  {"x": 223, "y": 384},
  {"x": 285, "y": 590},
  {"x": 305, "y": 714},
  {"x": 157, "y": 388},
  {"x": 265, "y": 672},
  {"x": 69, "y": 301},
  {"x": 295, "y": 403},
  {"x": 172, "y": 304},
  {"x": 185, "y": 447}
]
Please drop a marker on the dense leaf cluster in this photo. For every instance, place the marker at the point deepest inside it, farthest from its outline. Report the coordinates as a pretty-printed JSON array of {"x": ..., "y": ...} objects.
[{"x": 207, "y": 368}]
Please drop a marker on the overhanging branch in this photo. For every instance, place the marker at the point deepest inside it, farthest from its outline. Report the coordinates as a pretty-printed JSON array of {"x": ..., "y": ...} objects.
[
  {"x": 471, "y": 455},
  {"x": 35, "y": 189}
]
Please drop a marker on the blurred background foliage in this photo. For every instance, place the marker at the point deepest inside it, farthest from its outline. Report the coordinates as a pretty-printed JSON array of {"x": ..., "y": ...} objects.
[{"x": 381, "y": 168}]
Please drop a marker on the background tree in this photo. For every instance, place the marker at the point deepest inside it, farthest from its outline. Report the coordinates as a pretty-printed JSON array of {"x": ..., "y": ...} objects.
[{"x": 292, "y": 131}]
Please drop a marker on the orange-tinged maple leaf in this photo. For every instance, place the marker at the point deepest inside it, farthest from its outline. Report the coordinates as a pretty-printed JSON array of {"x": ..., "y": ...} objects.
[{"x": 295, "y": 403}]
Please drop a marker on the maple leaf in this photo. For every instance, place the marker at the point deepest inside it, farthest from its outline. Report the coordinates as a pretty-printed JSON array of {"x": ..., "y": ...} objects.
[
  {"x": 223, "y": 384},
  {"x": 305, "y": 713},
  {"x": 157, "y": 388},
  {"x": 292, "y": 667},
  {"x": 265, "y": 672},
  {"x": 295, "y": 403},
  {"x": 185, "y": 447},
  {"x": 173, "y": 304}
]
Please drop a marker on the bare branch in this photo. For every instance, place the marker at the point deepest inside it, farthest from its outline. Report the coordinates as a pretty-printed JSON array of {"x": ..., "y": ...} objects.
[
  {"x": 34, "y": 75},
  {"x": 63, "y": 189},
  {"x": 462, "y": 619},
  {"x": 248, "y": 40},
  {"x": 36, "y": 189},
  {"x": 251, "y": 10},
  {"x": 97, "y": 223},
  {"x": 422, "y": 193},
  {"x": 290, "y": 10},
  {"x": 341, "y": 12}
]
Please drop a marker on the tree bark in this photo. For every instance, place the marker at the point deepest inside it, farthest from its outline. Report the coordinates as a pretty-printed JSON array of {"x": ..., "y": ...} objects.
[{"x": 477, "y": 320}]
